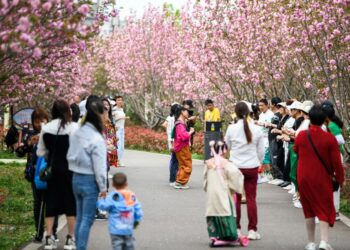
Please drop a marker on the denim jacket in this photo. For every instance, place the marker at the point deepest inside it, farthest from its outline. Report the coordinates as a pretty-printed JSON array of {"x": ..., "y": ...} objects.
[
  {"x": 124, "y": 210},
  {"x": 87, "y": 154}
]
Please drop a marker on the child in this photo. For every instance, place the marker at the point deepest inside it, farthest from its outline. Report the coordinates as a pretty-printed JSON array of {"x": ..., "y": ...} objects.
[
  {"x": 125, "y": 213},
  {"x": 221, "y": 180}
]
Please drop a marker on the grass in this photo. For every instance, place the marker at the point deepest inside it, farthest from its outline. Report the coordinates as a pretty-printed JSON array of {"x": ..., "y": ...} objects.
[
  {"x": 345, "y": 207},
  {"x": 16, "y": 208},
  {"x": 8, "y": 155}
]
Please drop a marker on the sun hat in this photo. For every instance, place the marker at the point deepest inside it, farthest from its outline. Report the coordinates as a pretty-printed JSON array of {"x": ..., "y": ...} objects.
[
  {"x": 295, "y": 105},
  {"x": 282, "y": 104},
  {"x": 306, "y": 106},
  {"x": 249, "y": 106}
]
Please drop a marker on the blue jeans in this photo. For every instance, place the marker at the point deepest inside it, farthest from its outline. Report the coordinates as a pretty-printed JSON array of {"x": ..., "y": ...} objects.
[
  {"x": 86, "y": 192},
  {"x": 174, "y": 166},
  {"x": 121, "y": 142},
  {"x": 122, "y": 242}
]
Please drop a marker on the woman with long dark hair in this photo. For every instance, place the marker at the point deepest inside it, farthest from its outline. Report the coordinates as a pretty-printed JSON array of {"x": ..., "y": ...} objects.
[
  {"x": 87, "y": 157},
  {"x": 53, "y": 145},
  {"x": 109, "y": 133},
  {"x": 246, "y": 144}
]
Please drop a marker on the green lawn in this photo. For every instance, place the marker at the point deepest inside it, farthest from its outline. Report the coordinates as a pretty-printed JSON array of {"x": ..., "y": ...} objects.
[
  {"x": 345, "y": 207},
  {"x": 8, "y": 155},
  {"x": 16, "y": 214}
]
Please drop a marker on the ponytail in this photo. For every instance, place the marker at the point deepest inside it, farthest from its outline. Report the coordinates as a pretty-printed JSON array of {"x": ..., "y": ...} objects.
[
  {"x": 248, "y": 133},
  {"x": 242, "y": 112}
]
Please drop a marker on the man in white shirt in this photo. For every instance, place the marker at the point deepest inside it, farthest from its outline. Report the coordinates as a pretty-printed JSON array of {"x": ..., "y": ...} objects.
[
  {"x": 264, "y": 120},
  {"x": 119, "y": 119}
]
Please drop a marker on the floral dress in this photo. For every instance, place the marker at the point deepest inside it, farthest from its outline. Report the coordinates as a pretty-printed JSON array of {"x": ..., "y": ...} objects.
[{"x": 111, "y": 140}]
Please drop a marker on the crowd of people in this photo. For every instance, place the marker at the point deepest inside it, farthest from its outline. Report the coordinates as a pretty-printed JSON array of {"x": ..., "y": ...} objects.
[
  {"x": 295, "y": 145},
  {"x": 79, "y": 145}
]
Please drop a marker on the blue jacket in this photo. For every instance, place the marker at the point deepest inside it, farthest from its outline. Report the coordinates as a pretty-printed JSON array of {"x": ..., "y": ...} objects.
[{"x": 124, "y": 210}]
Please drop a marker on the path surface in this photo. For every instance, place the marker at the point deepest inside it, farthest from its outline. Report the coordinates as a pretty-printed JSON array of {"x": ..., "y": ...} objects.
[{"x": 174, "y": 219}]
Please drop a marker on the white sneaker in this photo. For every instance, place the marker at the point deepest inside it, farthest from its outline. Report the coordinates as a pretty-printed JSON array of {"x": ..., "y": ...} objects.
[
  {"x": 263, "y": 179},
  {"x": 278, "y": 182},
  {"x": 324, "y": 246},
  {"x": 311, "y": 246},
  {"x": 70, "y": 243},
  {"x": 295, "y": 197},
  {"x": 272, "y": 181},
  {"x": 172, "y": 184},
  {"x": 337, "y": 216},
  {"x": 180, "y": 186},
  {"x": 317, "y": 221},
  {"x": 292, "y": 190},
  {"x": 297, "y": 204},
  {"x": 253, "y": 235},
  {"x": 50, "y": 243},
  {"x": 289, "y": 187}
]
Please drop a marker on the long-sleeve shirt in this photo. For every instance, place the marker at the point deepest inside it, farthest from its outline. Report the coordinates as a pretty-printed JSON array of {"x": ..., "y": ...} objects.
[
  {"x": 87, "y": 154},
  {"x": 124, "y": 210},
  {"x": 182, "y": 137},
  {"x": 242, "y": 153}
]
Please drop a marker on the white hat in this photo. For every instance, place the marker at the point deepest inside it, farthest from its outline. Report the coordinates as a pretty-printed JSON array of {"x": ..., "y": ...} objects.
[
  {"x": 82, "y": 107},
  {"x": 282, "y": 104},
  {"x": 249, "y": 106},
  {"x": 295, "y": 105},
  {"x": 306, "y": 106}
]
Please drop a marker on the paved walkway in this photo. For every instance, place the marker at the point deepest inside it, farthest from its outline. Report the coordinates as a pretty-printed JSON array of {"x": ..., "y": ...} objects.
[{"x": 174, "y": 219}]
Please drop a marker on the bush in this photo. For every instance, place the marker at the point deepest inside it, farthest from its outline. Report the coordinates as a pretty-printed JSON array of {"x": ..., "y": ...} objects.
[{"x": 141, "y": 138}]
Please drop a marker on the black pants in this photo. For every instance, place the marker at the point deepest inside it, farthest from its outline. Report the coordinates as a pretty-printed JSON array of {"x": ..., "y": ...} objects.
[
  {"x": 286, "y": 171},
  {"x": 274, "y": 153},
  {"x": 39, "y": 205}
]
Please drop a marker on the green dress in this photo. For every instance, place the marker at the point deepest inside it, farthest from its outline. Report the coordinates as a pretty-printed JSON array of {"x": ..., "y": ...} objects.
[
  {"x": 222, "y": 227},
  {"x": 293, "y": 165}
]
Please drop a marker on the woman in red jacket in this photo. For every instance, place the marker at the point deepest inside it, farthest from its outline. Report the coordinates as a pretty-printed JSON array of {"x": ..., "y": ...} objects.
[{"x": 314, "y": 180}]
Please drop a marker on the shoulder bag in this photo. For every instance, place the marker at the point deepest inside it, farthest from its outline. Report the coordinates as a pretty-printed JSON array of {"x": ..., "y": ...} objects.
[{"x": 334, "y": 181}]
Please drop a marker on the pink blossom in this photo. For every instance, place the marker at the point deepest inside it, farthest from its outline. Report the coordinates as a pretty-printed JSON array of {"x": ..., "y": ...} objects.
[
  {"x": 35, "y": 3},
  {"x": 28, "y": 39},
  {"x": 347, "y": 39},
  {"x": 332, "y": 62},
  {"x": 14, "y": 3},
  {"x": 37, "y": 53},
  {"x": 24, "y": 24},
  {"x": 47, "y": 6},
  {"x": 84, "y": 9},
  {"x": 15, "y": 47},
  {"x": 308, "y": 85}
]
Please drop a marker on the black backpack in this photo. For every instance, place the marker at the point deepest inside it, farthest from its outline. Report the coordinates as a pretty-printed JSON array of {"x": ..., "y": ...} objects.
[{"x": 11, "y": 136}]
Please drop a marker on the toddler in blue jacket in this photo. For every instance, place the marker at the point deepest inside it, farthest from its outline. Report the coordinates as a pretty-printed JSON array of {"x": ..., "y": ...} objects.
[{"x": 125, "y": 213}]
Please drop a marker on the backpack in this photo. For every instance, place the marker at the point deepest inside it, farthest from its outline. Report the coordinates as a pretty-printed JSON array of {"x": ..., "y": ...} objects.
[
  {"x": 40, "y": 165},
  {"x": 173, "y": 132},
  {"x": 11, "y": 136}
]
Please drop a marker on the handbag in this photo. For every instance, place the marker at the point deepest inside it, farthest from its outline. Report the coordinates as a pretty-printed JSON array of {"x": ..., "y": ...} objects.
[
  {"x": 45, "y": 173},
  {"x": 334, "y": 181},
  {"x": 40, "y": 165}
]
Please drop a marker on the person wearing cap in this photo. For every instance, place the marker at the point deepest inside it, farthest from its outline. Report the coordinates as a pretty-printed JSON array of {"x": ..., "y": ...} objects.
[
  {"x": 289, "y": 136},
  {"x": 314, "y": 180},
  {"x": 304, "y": 108}
]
